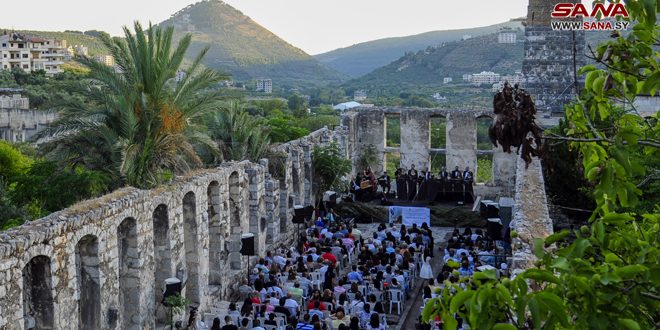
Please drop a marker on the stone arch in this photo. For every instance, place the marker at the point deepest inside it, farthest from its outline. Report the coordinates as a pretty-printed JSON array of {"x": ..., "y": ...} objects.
[
  {"x": 38, "y": 302},
  {"x": 234, "y": 203},
  {"x": 162, "y": 253},
  {"x": 216, "y": 233},
  {"x": 129, "y": 274},
  {"x": 191, "y": 245},
  {"x": 89, "y": 282}
]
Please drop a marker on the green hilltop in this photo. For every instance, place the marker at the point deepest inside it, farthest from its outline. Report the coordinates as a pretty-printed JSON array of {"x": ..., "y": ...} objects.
[
  {"x": 245, "y": 49},
  {"x": 362, "y": 58},
  {"x": 453, "y": 59}
]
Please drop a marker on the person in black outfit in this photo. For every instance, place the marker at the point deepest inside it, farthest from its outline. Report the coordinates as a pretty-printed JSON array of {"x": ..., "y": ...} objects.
[
  {"x": 229, "y": 324},
  {"x": 412, "y": 182},
  {"x": 468, "y": 176},
  {"x": 443, "y": 175},
  {"x": 384, "y": 182},
  {"x": 456, "y": 174}
]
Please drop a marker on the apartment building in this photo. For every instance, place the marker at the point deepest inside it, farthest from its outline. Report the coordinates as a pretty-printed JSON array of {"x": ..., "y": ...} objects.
[
  {"x": 32, "y": 53},
  {"x": 264, "y": 85}
]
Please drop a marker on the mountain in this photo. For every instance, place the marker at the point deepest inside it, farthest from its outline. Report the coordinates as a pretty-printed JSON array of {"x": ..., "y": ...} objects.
[
  {"x": 245, "y": 49},
  {"x": 362, "y": 58},
  {"x": 428, "y": 67}
]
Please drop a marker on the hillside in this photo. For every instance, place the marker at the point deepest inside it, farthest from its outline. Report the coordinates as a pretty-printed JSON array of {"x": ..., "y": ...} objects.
[
  {"x": 453, "y": 59},
  {"x": 360, "y": 59},
  {"x": 245, "y": 49},
  {"x": 93, "y": 43}
]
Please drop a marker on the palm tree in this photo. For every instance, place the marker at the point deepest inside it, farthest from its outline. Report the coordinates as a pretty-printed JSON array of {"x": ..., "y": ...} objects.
[
  {"x": 142, "y": 123},
  {"x": 239, "y": 135}
]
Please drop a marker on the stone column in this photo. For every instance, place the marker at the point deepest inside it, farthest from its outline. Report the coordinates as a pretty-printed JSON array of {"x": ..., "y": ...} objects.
[
  {"x": 531, "y": 218},
  {"x": 415, "y": 139},
  {"x": 461, "y": 140},
  {"x": 308, "y": 193},
  {"x": 504, "y": 168},
  {"x": 371, "y": 130}
]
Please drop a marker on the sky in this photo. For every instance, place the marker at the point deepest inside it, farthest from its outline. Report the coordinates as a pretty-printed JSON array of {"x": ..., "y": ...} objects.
[{"x": 315, "y": 26}]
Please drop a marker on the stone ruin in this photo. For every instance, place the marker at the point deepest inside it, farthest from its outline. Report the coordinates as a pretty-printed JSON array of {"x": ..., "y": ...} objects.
[{"x": 101, "y": 263}]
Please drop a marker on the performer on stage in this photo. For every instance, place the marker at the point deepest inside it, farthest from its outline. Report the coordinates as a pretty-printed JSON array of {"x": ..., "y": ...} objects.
[
  {"x": 456, "y": 174},
  {"x": 443, "y": 175},
  {"x": 401, "y": 185},
  {"x": 384, "y": 182},
  {"x": 412, "y": 182},
  {"x": 468, "y": 176}
]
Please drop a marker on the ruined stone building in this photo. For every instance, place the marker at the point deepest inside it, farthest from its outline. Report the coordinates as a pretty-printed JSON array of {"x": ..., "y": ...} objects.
[
  {"x": 101, "y": 264},
  {"x": 550, "y": 58}
]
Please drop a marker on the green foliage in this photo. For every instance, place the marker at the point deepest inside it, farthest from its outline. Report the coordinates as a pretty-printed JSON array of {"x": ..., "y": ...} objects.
[
  {"x": 484, "y": 168},
  {"x": 483, "y": 141},
  {"x": 239, "y": 136},
  {"x": 178, "y": 305},
  {"x": 329, "y": 166},
  {"x": 438, "y": 133},
  {"x": 392, "y": 131},
  {"x": 368, "y": 158},
  {"x": 143, "y": 126},
  {"x": 392, "y": 162},
  {"x": 12, "y": 162},
  {"x": 604, "y": 275},
  {"x": 284, "y": 128},
  {"x": 297, "y": 105},
  {"x": 42, "y": 186},
  {"x": 314, "y": 122}
]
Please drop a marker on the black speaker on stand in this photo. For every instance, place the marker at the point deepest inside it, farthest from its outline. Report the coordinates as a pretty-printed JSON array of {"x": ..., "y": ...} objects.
[
  {"x": 247, "y": 249},
  {"x": 301, "y": 215}
]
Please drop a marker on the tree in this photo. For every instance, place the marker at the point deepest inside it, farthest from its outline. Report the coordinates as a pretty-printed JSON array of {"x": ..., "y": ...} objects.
[
  {"x": 329, "y": 167},
  {"x": 605, "y": 275},
  {"x": 297, "y": 105},
  {"x": 143, "y": 125},
  {"x": 239, "y": 136},
  {"x": 368, "y": 158},
  {"x": 283, "y": 128}
]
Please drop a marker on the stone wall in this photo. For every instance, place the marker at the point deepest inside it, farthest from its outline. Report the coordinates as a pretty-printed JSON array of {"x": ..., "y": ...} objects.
[
  {"x": 18, "y": 125},
  {"x": 366, "y": 126},
  {"x": 531, "y": 218},
  {"x": 101, "y": 263}
]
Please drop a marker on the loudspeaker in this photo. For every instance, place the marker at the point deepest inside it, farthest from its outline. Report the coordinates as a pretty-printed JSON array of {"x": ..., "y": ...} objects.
[
  {"x": 302, "y": 214},
  {"x": 172, "y": 288},
  {"x": 247, "y": 244}
]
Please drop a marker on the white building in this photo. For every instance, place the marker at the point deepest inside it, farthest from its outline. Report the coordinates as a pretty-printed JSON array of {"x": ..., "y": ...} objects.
[
  {"x": 507, "y": 37},
  {"x": 265, "y": 85},
  {"x": 447, "y": 80},
  {"x": 32, "y": 53},
  {"x": 180, "y": 75},
  {"x": 485, "y": 77},
  {"x": 467, "y": 77},
  {"x": 108, "y": 60},
  {"x": 81, "y": 50},
  {"x": 439, "y": 98},
  {"x": 15, "y": 101},
  {"x": 360, "y": 95}
]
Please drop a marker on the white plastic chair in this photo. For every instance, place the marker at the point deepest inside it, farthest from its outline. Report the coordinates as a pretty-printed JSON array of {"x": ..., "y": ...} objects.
[{"x": 396, "y": 297}]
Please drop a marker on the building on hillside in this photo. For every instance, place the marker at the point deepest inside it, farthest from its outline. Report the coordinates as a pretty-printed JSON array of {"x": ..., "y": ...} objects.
[
  {"x": 11, "y": 98},
  {"x": 105, "y": 59},
  {"x": 467, "y": 77},
  {"x": 466, "y": 37},
  {"x": 439, "y": 98},
  {"x": 360, "y": 95},
  {"x": 32, "y": 53},
  {"x": 447, "y": 80},
  {"x": 507, "y": 36},
  {"x": 81, "y": 50},
  {"x": 264, "y": 85},
  {"x": 485, "y": 77},
  {"x": 346, "y": 106}
]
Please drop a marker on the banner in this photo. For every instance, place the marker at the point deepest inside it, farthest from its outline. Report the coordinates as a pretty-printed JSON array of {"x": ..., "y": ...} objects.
[{"x": 411, "y": 215}]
